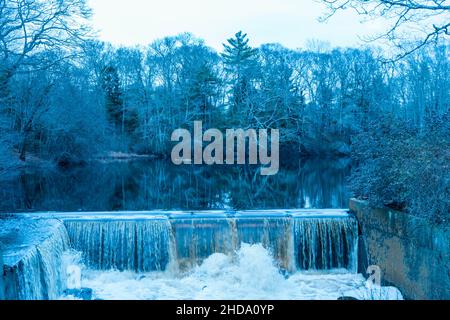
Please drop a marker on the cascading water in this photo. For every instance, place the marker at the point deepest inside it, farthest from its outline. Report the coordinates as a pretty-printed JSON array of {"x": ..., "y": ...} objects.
[
  {"x": 145, "y": 245},
  {"x": 194, "y": 240},
  {"x": 139, "y": 246},
  {"x": 275, "y": 234},
  {"x": 186, "y": 256},
  {"x": 326, "y": 243},
  {"x": 33, "y": 268}
]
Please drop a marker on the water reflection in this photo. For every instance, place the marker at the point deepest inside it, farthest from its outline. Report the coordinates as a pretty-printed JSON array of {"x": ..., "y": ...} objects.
[{"x": 312, "y": 183}]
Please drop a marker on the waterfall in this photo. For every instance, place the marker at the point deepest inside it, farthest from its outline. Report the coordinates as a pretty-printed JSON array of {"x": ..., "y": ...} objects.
[
  {"x": 34, "y": 271},
  {"x": 197, "y": 239},
  {"x": 34, "y": 248},
  {"x": 326, "y": 243},
  {"x": 275, "y": 234},
  {"x": 140, "y": 246},
  {"x": 194, "y": 240},
  {"x": 143, "y": 245}
]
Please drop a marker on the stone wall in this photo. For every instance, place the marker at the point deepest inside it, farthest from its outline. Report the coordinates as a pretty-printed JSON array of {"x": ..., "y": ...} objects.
[{"x": 414, "y": 255}]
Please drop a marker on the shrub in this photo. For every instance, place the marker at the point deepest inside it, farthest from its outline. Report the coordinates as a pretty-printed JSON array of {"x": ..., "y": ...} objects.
[{"x": 404, "y": 167}]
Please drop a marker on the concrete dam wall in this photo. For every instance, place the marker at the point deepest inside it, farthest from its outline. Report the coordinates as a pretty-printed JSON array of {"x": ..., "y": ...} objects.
[{"x": 413, "y": 254}]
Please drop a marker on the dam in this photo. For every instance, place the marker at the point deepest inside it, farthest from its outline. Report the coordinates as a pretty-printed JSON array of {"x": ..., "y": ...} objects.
[{"x": 266, "y": 247}]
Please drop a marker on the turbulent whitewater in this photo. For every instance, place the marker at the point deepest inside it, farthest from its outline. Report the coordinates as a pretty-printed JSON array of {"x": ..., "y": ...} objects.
[
  {"x": 211, "y": 256},
  {"x": 155, "y": 244},
  {"x": 182, "y": 255},
  {"x": 249, "y": 274}
]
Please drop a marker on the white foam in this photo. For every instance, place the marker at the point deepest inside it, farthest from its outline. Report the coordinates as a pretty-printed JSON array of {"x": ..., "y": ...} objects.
[{"x": 251, "y": 274}]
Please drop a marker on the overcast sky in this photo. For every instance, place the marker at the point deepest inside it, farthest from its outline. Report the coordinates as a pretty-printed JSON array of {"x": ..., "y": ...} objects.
[{"x": 289, "y": 22}]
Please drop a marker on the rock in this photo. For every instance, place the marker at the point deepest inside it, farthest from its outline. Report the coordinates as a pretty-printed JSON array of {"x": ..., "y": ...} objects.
[
  {"x": 347, "y": 299},
  {"x": 83, "y": 293}
]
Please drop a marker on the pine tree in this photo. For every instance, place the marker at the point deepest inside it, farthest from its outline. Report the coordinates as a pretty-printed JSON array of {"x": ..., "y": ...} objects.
[
  {"x": 121, "y": 117},
  {"x": 203, "y": 91},
  {"x": 238, "y": 54},
  {"x": 113, "y": 95},
  {"x": 239, "y": 60}
]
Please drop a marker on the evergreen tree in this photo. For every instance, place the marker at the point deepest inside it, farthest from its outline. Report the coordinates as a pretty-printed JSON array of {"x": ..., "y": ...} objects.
[
  {"x": 113, "y": 95},
  {"x": 238, "y": 54},
  {"x": 239, "y": 61},
  {"x": 122, "y": 118},
  {"x": 203, "y": 91}
]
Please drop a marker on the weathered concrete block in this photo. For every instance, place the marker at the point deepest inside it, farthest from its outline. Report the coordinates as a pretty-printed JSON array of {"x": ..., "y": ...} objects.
[{"x": 413, "y": 254}]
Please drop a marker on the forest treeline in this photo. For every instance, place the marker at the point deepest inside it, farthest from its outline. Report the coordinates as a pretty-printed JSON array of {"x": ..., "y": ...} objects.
[
  {"x": 131, "y": 99},
  {"x": 67, "y": 98}
]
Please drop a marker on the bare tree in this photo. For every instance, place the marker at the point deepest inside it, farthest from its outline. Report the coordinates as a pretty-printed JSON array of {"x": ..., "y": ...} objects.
[
  {"x": 36, "y": 35},
  {"x": 429, "y": 18},
  {"x": 30, "y": 27}
]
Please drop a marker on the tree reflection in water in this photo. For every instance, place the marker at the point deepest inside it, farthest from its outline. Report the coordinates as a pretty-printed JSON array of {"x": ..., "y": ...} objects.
[{"x": 311, "y": 183}]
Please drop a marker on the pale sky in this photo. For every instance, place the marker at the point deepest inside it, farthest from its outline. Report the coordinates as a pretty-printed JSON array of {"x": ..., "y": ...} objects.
[{"x": 288, "y": 22}]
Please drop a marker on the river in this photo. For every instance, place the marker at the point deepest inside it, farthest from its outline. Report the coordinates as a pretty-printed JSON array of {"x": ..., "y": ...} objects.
[{"x": 149, "y": 185}]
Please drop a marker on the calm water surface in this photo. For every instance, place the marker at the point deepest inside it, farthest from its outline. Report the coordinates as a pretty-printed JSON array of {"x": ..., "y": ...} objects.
[{"x": 142, "y": 185}]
